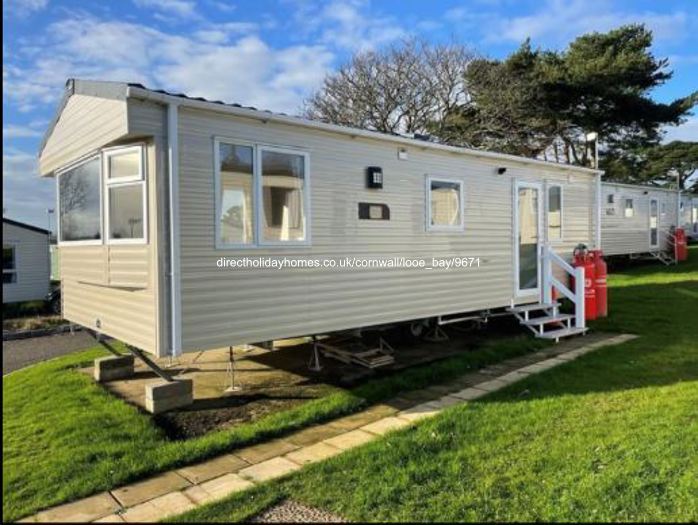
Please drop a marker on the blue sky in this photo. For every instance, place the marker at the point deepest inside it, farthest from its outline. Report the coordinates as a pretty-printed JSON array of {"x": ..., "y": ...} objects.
[{"x": 272, "y": 54}]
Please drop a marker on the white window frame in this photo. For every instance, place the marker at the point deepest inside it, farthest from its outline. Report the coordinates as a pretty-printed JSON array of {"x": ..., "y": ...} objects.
[
  {"x": 15, "y": 271},
  {"x": 625, "y": 208},
  {"x": 562, "y": 213},
  {"x": 441, "y": 227},
  {"x": 257, "y": 194},
  {"x": 259, "y": 211},
  {"x": 133, "y": 180},
  {"x": 59, "y": 229}
]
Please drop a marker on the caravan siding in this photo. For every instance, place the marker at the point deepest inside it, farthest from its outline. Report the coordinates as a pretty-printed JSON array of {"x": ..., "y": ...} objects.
[
  {"x": 114, "y": 289},
  {"x": 624, "y": 233},
  {"x": 31, "y": 275},
  {"x": 86, "y": 124},
  {"x": 224, "y": 306}
]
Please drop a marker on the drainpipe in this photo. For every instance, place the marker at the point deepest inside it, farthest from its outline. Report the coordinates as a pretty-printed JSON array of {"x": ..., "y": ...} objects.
[{"x": 173, "y": 176}]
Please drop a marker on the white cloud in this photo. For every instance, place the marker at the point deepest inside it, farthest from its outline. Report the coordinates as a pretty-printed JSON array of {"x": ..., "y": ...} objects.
[
  {"x": 177, "y": 8},
  {"x": 688, "y": 131},
  {"x": 18, "y": 132},
  {"x": 557, "y": 22},
  {"x": 347, "y": 24},
  {"x": 226, "y": 66},
  {"x": 23, "y": 7}
]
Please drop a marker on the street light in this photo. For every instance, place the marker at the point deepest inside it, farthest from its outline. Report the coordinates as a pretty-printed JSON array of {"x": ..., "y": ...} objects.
[
  {"x": 49, "y": 211},
  {"x": 593, "y": 136}
]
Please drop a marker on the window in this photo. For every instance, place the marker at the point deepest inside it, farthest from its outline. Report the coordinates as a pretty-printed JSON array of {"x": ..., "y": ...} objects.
[
  {"x": 629, "y": 208},
  {"x": 445, "y": 205},
  {"x": 126, "y": 195},
  {"x": 555, "y": 213},
  {"x": 236, "y": 202},
  {"x": 261, "y": 195},
  {"x": 663, "y": 209},
  {"x": 79, "y": 203},
  {"x": 610, "y": 198},
  {"x": 283, "y": 189},
  {"x": 9, "y": 264}
]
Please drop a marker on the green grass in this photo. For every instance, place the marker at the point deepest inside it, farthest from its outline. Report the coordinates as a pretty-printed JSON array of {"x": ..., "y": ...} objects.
[
  {"x": 612, "y": 436},
  {"x": 64, "y": 437}
]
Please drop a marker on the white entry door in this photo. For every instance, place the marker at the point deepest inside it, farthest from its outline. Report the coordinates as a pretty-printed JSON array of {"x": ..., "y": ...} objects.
[{"x": 527, "y": 235}]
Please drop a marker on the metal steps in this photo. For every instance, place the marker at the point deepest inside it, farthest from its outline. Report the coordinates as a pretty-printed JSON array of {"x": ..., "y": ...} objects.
[
  {"x": 548, "y": 319},
  {"x": 663, "y": 257},
  {"x": 562, "y": 332},
  {"x": 548, "y": 322}
]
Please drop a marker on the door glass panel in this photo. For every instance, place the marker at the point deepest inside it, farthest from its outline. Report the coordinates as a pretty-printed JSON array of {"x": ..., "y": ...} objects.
[
  {"x": 653, "y": 223},
  {"x": 528, "y": 238}
]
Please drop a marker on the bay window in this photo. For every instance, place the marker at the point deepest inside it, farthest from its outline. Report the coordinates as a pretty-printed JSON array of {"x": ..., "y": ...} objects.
[
  {"x": 125, "y": 186},
  {"x": 115, "y": 175},
  {"x": 80, "y": 203}
]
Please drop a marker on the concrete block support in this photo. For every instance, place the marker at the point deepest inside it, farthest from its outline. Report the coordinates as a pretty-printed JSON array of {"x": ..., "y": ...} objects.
[
  {"x": 113, "y": 367},
  {"x": 162, "y": 396}
]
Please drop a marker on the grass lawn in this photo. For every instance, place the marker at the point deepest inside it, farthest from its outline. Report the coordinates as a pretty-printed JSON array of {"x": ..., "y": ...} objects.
[
  {"x": 64, "y": 437},
  {"x": 612, "y": 436}
]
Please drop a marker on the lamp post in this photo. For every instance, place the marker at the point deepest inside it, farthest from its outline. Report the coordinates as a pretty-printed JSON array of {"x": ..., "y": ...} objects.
[
  {"x": 49, "y": 212},
  {"x": 593, "y": 136}
]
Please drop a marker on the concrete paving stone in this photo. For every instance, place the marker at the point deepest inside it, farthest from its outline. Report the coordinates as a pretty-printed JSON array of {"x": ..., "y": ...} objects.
[
  {"x": 265, "y": 451},
  {"x": 87, "y": 509},
  {"x": 446, "y": 401},
  {"x": 441, "y": 390},
  {"x": 418, "y": 412},
  {"x": 136, "y": 493},
  {"x": 159, "y": 508},
  {"x": 470, "y": 394},
  {"x": 217, "y": 488},
  {"x": 371, "y": 414},
  {"x": 313, "y": 453},
  {"x": 112, "y": 518},
  {"x": 423, "y": 395},
  {"x": 492, "y": 386},
  {"x": 511, "y": 377},
  {"x": 212, "y": 468},
  {"x": 313, "y": 435},
  {"x": 399, "y": 403},
  {"x": 350, "y": 440},
  {"x": 385, "y": 425},
  {"x": 269, "y": 469}
]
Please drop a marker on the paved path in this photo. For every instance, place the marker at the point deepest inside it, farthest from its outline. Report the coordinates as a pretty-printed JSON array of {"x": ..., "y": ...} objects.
[
  {"x": 24, "y": 352},
  {"x": 180, "y": 490}
]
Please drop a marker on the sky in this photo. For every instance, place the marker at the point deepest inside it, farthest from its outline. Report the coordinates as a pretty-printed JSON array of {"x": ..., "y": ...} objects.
[{"x": 273, "y": 54}]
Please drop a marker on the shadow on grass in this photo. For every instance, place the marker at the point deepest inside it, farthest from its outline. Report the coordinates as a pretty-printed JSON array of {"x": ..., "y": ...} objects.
[{"x": 664, "y": 316}]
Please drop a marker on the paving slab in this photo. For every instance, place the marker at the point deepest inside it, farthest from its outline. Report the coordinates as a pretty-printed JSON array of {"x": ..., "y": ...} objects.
[
  {"x": 350, "y": 440},
  {"x": 269, "y": 469},
  {"x": 371, "y": 414},
  {"x": 418, "y": 412},
  {"x": 152, "y": 488},
  {"x": 265, "y": 451},
  {"x": 217, "y": 488},
  {"x": 313, "y": 435},
  {"x": 112, "y": 518},
  {"x": 385, "y": 425},
  {"x": 446, "y": 401},
  {"x": 492, "y": 386},
  {"x": 88, "y": 509},
  {"x": 159, "y": 508},
  {"x": 313, "y": 453},
  {"x": 212, "y": 468},
  {"x": 470, "y": 394}
]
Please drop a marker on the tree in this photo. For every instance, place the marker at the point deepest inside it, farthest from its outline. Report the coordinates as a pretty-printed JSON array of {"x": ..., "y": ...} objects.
[
  {"x": 406, "y": 88},
  {"x": 669, "y": 163},
  {"x": 545, "y": 103}
]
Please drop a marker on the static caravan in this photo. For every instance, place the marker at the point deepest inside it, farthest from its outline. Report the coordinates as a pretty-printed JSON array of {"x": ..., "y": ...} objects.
[
  {"x": 187, "y": 225},
  {"x": 637, "y": 220},
  {"x": 688, "y": 210},
  {"x": 25, "y": 262}
]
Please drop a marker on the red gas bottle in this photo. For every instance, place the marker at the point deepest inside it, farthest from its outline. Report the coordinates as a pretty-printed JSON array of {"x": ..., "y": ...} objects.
[
  {"x": 601, "y": 270},
  {"x": 583, "y": 258},
  {"x": 681, "y": 245}
]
